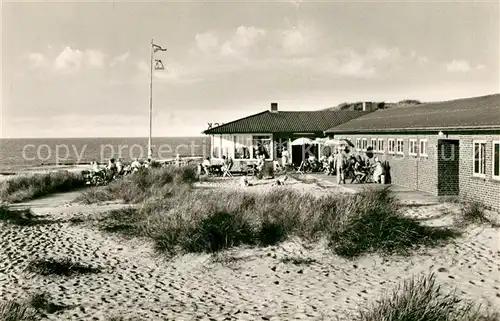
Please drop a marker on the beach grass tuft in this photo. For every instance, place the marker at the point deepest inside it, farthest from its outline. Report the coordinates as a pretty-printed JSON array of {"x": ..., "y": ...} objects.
[
  {"x": 472, "y": 213},
  {"x": 43, "y": 303},
  {"x": 16, "y": 311},
  {"x": 420, "y": 298},
  {"x": 60, "y": 267},
  {"x": 26, "y": 187},
  {"x": 21, "y": 217},
  {"x": 374, "y": 223}
]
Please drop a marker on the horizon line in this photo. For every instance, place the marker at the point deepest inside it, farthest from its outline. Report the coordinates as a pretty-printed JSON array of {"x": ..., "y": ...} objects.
[{"x": 104, "y": 137}]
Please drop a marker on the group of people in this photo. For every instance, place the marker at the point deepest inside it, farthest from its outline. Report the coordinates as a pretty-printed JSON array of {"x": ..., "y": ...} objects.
[
  {"x": 359, "y": 168},
  {"x": 206, "y": 166},
  {"x": 115, "y": 168}
]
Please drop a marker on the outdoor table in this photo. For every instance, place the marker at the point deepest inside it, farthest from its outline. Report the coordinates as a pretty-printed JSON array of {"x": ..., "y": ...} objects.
[{"x": 216, "y": 169}]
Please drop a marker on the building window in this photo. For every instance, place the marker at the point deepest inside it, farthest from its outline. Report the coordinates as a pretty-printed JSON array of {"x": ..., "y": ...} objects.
[
  {"x": 358, "y": 143},
  {"x": 423, "y": 147},
  {"x": 391, "y": 146},
  {"x": 400, "y": 147},
  {"x": 374, "y": 144},
  {"x": 413, "y": 147},
  {"x": 216, "y": 146},
  {"x": 262, "y": 145},
  {"x": 227, "y": 145},
  {"x": 380, "y": 146},
  {"x": 364, "y": 146},
  {"x": 479, "y": 158},
  {"x": 496, "y": 159},
  {"x": 242, "y": 146}
]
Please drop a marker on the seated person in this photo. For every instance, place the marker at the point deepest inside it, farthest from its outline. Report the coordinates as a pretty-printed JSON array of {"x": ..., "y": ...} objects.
[
  {"x": 135, "y": 165},
  {"x": 94, "y": 166},
  {"x": 206, "y": 165},
  {"x": 225, "y": 162},
  {"x": 119, "y": 167},
  {"x": 359, "y": 172}
]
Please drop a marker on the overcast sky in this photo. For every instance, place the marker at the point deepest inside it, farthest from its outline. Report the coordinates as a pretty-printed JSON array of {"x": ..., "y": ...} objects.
[{"x": 82, "y": 69}]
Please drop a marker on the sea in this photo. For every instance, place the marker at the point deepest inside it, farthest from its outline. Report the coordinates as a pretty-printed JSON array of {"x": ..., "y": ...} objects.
[{"x": 19, "y": 153}]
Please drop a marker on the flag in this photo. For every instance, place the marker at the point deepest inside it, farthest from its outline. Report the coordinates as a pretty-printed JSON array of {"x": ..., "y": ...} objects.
[
  {"x": 158, "y": 48},
  {"x": 159, "y": 65}
]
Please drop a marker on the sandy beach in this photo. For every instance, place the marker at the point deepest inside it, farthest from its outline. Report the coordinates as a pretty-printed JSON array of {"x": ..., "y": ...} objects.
[{"x": 291, "y": 281}]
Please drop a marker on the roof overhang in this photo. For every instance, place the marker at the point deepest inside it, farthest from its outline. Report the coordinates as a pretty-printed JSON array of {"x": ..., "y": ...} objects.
[
  {"x": 415, "y": 130},
  {"x": 308, "y": 133}
]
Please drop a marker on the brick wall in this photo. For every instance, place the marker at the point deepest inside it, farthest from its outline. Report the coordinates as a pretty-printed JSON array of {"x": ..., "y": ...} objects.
[
  {"x": 484, "y": 189},
  {"x": 421, "y": 172}
]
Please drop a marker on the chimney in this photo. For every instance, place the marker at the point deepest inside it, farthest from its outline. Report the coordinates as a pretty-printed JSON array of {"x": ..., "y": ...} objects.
[
  {"x": 274, "y": 107},
  {"x": 367, "y": 106}
]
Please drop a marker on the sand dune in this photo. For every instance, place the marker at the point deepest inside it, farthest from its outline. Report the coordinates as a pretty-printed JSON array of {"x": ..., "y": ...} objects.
[{"x": 292, "y": 281}]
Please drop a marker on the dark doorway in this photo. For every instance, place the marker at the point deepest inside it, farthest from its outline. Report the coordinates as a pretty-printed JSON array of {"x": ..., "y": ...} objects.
[
  {"x": 299, "y": 152},
  {"x": 448, "y": 167}
]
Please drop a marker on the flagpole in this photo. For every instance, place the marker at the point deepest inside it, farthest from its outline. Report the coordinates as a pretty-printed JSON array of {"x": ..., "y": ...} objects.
[{"x": 150, "y": 151}]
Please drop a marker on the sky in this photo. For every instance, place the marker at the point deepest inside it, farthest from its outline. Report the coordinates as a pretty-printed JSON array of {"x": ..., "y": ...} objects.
[{"x": 81, "y": 69}]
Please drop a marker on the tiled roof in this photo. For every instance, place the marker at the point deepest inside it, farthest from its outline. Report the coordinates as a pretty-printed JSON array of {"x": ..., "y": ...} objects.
[
  {"x": 287, "y": 122},
  {"x": 469, "y": 113}
]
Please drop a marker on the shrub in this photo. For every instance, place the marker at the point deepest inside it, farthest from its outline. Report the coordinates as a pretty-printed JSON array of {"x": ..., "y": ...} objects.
[
  {"x": 26, "y": 187},
  {"x": 421, "y": 299}
]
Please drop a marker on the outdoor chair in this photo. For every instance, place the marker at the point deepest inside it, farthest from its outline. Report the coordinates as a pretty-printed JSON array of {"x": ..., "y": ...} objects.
[
  {"x": 302, "y": 168},
  {"x": 227, "y": 171},
  {"x": 369, "y": 176},
  {"x": 278, "y": 167},
  {"x": 358, "y": 178}
]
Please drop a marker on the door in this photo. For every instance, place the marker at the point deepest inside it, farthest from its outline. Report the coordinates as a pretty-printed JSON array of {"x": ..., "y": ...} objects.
[{"x": 448, "y": 167}]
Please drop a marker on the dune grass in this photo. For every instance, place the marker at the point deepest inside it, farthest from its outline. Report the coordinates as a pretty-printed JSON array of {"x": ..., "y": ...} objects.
[
  {"x": 142, "y": 185},
  {"x": 60, "y": 267},
  {"x": 43, "y": 303},
  {"x": 26, "y": 187},
  {"x": 376, "y": 224},
  {"x": 420, "y": 298},
  {"x": 21, "y": 217},
  {"x": 36, "y": 307},
  {"x": 17, "y": 311},
  {"x": 211, "y": 221},
  {"x": 472, "y": 212}
]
